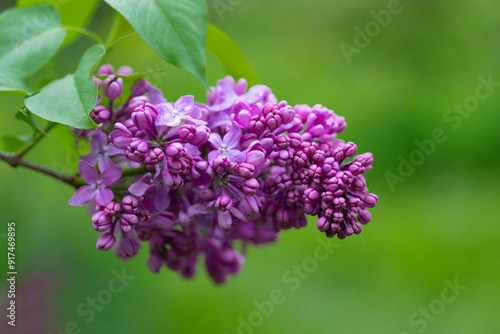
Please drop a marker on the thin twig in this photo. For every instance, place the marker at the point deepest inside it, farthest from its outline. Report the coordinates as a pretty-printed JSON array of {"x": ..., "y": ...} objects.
[{"x": 14, "y": 160}]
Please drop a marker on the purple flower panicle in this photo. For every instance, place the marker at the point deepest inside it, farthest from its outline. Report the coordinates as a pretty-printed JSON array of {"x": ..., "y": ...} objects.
[{"x": 200, "y": 178}]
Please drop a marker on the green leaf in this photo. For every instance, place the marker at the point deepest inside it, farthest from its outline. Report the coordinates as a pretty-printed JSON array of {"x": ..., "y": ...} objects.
[
  {"x": 29, "y": 37},
  {"x": 175, "y": 29},
  {"x": 69, "y": 100},
  {"x": 75, "y": 13},
  {"x": 12, "y": 81},
  {"x": 230, "y": 55},
  {"x": 67, "y": 140},
  {"x": 24, "y": 115},
  {"x": 10, "y": 143}
]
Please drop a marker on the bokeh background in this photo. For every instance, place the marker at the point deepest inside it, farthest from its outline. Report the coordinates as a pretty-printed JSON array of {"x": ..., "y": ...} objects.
[{"x": 440, "y": 224}]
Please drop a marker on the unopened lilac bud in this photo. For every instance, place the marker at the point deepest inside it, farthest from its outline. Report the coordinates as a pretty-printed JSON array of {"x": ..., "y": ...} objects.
[
  {"x": 311, "y": 196},
  {"x": 335, "y": 184},
  {"x": 365, "y": 159},
  {"x": 127, "y": 221},
  {"x": 136, "y": 150},
  {"x": 364, "y": 217},
  {"x": 257, "y": 124},
  {"x": 246, "y": 170},
  {"x": 356, "y": 168},
  {"x": 220, "y": 164},
  {"x": 112, "y": 208},
  {"x": 338, "y": 217},
  {"x": 153, "y": 157},
  {"x": 126, "y": 248},
  {"x": 144, "y": 116},
  {"x": 339, "y": 203},
  {"x": 250, "y": 186},
  {"x": 106, "y": 69},
  {"x": 155, "y": 262},
  {"x": 287, "y": 114},
  {"x": 112, "y": 87},
  {"x": 358, "y": 184},
  {"x": 338, "y": 154},
  {"x": 136, "y": 102},
  {"x": 176, "y": 150},
  {"x": 370, "y": 200},
  {"x": 315, "y": 171},
  {"x": 357, "y": 228},
  {"x": 186, "y": 132},
  {"x": 140, "y": 87},
  {"x": 269, "y": 208},
  {"x": 101, "y": 221},
  {"x": 295, "y": 140},
  {"x": 171, "y": 180},
  {"x": 224, "y": 203},
  {"x": 106, "y": 241},
  {"x": 283, "y": 142},
  {"x": 349, "y": 149},
  {"x": 124, "y": 70},
  {"x": 130, "y": 204},
  {"x": 100, "y": 114},
  {"x": 323, "y": 224},
  {"x": 201, "y": 136},
  {"x": 283, "y": 219},
  {"x": 354, "y": 202},
  {"x": 319, "y": 156},
  {"x": 292, "y": 196},
  {"x": 300, "y": 159}
]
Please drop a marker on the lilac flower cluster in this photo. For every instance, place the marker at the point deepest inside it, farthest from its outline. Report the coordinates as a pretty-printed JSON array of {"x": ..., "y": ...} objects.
[{"x": 197, "y": 179}]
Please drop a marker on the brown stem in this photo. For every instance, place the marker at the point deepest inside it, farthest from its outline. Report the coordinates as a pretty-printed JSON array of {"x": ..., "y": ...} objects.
[{"x": 15, "y": 160}]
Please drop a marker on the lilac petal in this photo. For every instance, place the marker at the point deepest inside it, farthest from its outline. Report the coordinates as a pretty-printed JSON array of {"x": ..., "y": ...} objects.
[
  {"x": 120, "y": 138},
  {"x": 243, "y": 118},
  {"x": 111, "y": 175},
  {"x": 92, "y": 158},
  {"x": 89, "y": 173},
  {"x": 212, "y": 155},
  {"x": 238, "y": 214},
  {"x": 169, "y": 119},
  {"x": 104, "y": 196},
  {"x": 225, "y": 220},
  {"x": 140, "y": 187},
  {"x": 83, "y": 195},
  {"x": 232, "y": 138},
  {"x": 185, "y": 104},
  {"x": 194, "y": 120},
  {"x": 99, "y": 140},
  {"x": 196, "y": 209},
  {"x": 256, "y": 93},
  {"x": 162, "y": 198},
  {"x": 317, "y": 130},
  {"x": 110, "y": 150},
  {"x": 255, "y": 158},
  {"x": 184, "y": 218},
  {"x": 155, "y": 96},
  {"x": 105, "y": 162},
  {"x": 216, "y": 140},
  {"x": 218, "y": 119},
  {"x": 191, "y": 149},
  {"x": 235, "y": 156}
]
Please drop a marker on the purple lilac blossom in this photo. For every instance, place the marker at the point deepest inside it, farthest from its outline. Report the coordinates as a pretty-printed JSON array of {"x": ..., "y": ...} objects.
[{"x": 201, "y": 178}]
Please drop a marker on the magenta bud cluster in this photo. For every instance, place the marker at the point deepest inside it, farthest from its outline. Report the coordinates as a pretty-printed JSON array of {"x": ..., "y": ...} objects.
[{"x": 197, "y": 179}]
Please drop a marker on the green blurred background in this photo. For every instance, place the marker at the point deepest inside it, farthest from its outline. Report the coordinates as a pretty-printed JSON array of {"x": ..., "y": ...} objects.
[{"x": 440, "y": 224}]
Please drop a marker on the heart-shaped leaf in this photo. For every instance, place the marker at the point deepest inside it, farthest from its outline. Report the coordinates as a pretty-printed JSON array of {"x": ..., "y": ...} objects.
[
  {"x": 76, "y": 13},
  {"x": 230, "y": 55},
  {"x": 69, "y": 100},
  {"x": 175, "y": 29},
  {"x": 29, "y": 37}
]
